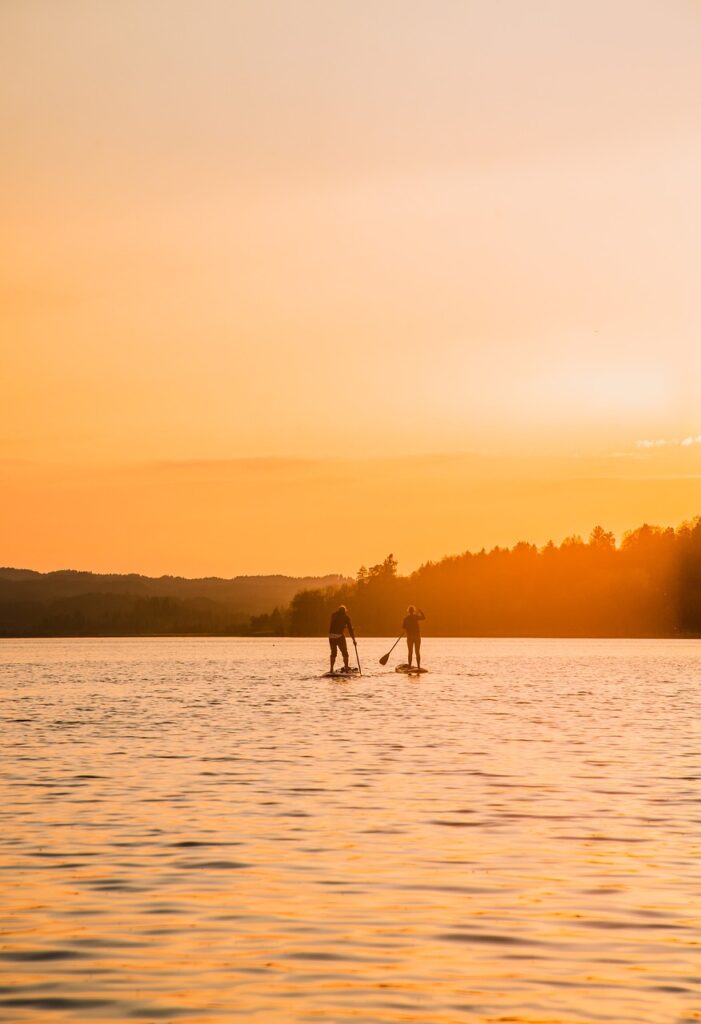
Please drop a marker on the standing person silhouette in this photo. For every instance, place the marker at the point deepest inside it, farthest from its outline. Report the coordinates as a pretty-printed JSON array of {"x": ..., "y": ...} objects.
[
  {"x": 340, "y": 622},
  {"x": 413, "y": 632}
]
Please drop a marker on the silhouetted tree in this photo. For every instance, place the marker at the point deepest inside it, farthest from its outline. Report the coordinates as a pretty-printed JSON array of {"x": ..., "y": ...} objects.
[{"x": 649, "y": 586}]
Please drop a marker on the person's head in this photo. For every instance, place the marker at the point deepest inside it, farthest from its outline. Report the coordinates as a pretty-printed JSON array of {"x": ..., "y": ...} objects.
[
  {"x": 342, "y": 608},
  {"x": 410, "y": 610}
]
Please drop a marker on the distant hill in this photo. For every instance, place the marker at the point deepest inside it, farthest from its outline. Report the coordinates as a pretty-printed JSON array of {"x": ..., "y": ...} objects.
[{"x": 70, "y": 603}]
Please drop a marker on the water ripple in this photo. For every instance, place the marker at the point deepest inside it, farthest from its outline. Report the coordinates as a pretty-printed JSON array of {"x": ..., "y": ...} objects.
[{"x": 206, "y": 830}]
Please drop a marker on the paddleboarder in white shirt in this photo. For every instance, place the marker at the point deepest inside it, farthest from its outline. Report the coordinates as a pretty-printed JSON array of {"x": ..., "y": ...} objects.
[{"x": 413, "y": 632}]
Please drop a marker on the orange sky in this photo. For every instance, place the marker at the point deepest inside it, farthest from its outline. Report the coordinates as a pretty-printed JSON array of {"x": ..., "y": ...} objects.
[{"x": 252, "y": 252}]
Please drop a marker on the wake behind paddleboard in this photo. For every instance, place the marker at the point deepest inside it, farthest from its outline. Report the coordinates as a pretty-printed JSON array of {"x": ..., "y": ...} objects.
[{"x": 410, "y": 670}]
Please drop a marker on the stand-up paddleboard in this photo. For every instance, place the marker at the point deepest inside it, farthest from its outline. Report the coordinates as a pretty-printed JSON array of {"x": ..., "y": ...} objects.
[
  {"x": 410, "y": 670},
  {"x": 341, "y": 673}
]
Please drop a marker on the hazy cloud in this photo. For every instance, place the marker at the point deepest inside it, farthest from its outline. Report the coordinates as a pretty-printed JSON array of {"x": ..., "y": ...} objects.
[{"x": 684, "y": 442}]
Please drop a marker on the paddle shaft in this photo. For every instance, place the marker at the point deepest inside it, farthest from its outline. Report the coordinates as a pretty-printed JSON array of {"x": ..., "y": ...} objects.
[
  {"x": 385, "y": 657},
  {"x": 357, "y": 658}
]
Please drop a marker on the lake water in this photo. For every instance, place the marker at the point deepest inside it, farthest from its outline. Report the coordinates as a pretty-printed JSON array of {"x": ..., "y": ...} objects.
[{"x": 204, "y": 830}]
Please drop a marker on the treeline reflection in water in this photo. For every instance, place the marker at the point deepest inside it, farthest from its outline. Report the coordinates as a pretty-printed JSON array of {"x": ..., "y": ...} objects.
[{"x": 200, "y": 830}]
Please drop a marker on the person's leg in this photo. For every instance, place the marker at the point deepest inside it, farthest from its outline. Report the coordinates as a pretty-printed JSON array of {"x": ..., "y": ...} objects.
[
  {"x": 332, "y": 645},
  {"x": 417, "y": 644},
  {"x": 410, "y": 647},
  {"x": 344, "y": 651}
]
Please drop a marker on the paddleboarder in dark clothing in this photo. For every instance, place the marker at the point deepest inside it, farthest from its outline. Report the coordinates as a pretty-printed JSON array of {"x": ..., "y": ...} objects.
[
  {"x": 413, "y": 632},
  {"x": 340, "y": 622}
]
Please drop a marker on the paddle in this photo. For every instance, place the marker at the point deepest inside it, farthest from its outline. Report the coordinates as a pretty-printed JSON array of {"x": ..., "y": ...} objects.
[
  {"x": 385, "y": 657},
  {"x": 356, "y": 656}
]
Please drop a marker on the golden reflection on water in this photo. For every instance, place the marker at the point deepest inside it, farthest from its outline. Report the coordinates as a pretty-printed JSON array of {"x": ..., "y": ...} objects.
[{"x": 200, "y": 830}]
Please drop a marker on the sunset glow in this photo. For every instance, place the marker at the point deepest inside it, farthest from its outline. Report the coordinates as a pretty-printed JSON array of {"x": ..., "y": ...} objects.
[
  {"x": 350, "y": 511},
  {"x": 286, "y": 287}
]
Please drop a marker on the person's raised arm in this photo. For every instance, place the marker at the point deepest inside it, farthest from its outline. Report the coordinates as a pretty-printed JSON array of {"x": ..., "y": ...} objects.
[{"x": 421, "y": 614}]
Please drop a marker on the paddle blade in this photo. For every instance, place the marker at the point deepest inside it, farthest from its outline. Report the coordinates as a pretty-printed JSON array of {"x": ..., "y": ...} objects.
[{"x": 384, "y": 659}]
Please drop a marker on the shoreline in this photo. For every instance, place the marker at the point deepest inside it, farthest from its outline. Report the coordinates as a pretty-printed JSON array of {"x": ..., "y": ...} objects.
[{"x": 369, "y": 636}]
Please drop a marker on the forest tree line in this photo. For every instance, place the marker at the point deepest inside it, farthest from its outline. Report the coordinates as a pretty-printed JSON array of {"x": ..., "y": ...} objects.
[{"x": 649, "y": 585}]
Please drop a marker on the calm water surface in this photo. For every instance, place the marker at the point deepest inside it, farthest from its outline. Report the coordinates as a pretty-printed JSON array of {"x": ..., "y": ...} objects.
[{"x": 204, "y": 830}]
